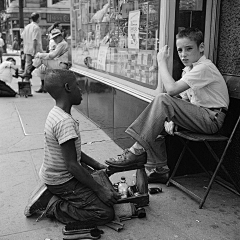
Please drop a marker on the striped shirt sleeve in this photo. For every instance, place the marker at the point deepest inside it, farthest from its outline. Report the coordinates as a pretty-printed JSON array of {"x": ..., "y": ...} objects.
[{"x": 65, "y": 130}]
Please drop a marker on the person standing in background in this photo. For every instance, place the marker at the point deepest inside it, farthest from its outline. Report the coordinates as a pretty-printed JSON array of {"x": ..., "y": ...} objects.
[
  {"x": 32, "y": 42},
  {"x": 1, "y": 47},
  {"x": 15, "y": 45}
]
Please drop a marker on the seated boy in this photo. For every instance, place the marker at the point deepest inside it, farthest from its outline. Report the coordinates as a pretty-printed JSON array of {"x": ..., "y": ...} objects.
[
  {"x": 72, "y": 194},
  {"x": 202, "y": 108},
  {"x": 6, "y": 75}
]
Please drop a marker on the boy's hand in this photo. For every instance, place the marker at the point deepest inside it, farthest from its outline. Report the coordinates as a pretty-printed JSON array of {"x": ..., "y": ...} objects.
[
  {"x": 163, "y": 53},
  {"x": 169, "y": 127},
  {"x": 108, "y": 196},
  {"x": 102, "y": 166}
]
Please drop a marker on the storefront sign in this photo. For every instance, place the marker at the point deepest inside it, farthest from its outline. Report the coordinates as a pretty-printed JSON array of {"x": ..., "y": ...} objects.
[
  {"x": 133, "y": 29},
  {"x": 102, "y": 56},
  {"x": 58, "y": 17}
]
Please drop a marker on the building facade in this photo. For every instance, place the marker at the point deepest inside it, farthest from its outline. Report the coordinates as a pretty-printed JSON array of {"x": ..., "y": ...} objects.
[{"x": 51, "y": 11}]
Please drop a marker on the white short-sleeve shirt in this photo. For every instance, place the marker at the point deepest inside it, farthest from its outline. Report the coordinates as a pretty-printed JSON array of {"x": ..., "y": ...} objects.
[
  {"x": 6, "y": 71},
  {"x": 30, "y": 33},
  {"x": 207, "y": 85},
  {"x": 1, "y": 42}
]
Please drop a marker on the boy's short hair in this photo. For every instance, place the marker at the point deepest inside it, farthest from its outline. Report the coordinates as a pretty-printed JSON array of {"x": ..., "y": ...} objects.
[
  {"x": 11, "y": 59},
  {"x": 194, "y": 34},
  {"x": 55, "y": 79}
]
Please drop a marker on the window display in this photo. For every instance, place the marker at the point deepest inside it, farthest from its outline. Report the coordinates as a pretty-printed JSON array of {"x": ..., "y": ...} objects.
[{"x": 118, "y": 37}]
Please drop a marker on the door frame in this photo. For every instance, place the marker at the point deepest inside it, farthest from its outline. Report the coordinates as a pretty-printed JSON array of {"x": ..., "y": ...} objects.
[{"x": 211, "y": 29}]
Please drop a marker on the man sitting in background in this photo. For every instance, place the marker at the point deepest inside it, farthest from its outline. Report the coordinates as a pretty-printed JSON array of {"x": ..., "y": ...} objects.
[{"x": 57, "y": 59}]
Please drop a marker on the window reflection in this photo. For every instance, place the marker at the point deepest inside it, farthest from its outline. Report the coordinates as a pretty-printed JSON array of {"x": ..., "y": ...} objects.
[{"x": 119, "y": 37}]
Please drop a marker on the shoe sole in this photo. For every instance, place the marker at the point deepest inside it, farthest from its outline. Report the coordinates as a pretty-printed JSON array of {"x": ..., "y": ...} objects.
[{"x": 36, "y": 194}]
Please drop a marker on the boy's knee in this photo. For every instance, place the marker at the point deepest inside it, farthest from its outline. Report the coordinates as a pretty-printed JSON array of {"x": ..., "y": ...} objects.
[
  {"x": 161, "y": 97},
  {"x": 107, "y": 214}
]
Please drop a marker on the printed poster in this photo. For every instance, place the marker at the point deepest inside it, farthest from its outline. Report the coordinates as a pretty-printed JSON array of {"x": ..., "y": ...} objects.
[
  {"x": 133, "y": 29},
  {"x": 102, "y": 56}
]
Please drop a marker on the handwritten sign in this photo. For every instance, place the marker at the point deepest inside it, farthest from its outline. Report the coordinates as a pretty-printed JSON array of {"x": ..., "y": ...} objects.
[
  {"x": 133, "y": 29},
  {"x": 102, "y": 56}
]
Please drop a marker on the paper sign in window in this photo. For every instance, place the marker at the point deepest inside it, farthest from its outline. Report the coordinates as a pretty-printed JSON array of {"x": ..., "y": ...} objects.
[
  {"x": 102, "y": 56},
  {"x": 133, "y": 29}
]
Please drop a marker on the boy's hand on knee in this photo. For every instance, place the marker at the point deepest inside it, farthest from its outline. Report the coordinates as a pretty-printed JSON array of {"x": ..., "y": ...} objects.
[
  {"x": 108, "y": 196},
  {"x": 169, "y": 127}
]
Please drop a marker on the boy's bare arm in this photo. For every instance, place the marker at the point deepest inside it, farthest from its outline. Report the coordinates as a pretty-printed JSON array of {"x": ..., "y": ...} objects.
[
  {"x": 14, "y": 67},
  {"x": 108, "y": 196},
  {"x": 35, "y": 47},
  {"x": 172, "y": 87}
]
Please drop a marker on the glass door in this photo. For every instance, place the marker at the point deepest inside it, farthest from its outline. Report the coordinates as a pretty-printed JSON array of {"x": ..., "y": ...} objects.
[{"x": 189, "y": 13}]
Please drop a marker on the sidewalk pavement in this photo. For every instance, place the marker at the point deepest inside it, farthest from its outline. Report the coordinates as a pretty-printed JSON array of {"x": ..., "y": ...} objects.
[
  {"x": 11, "y": 53},
  {"x": 171, "y": 215}
]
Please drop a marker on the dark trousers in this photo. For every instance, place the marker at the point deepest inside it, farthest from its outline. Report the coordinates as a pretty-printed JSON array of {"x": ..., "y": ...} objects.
[
  {"x": 6, "y": 91},
  {"x": 73, "y": 201}
]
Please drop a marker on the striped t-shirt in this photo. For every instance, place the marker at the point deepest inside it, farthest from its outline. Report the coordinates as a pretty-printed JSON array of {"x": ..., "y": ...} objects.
[{"x": 59, "y": 128}]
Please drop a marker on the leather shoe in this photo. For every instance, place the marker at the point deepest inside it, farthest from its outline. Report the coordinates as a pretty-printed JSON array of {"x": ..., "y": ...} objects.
[
  {"x": 127, "y": 159},
  {"x": 38, "y": 201},
  {"x": 41, "y": 90},
  {"x": 158, "y": 177},
  {"x": 25, "y": 75}
]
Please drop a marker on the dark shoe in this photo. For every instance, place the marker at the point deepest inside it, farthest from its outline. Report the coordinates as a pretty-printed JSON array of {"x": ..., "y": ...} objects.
[
  {"x": 25, "y": 75},
  {"x": 158, "y": 177},
  {"x": 41, "y": 90},
  {"x": 38, "y": 200},
  {"x": 16, "y": 73},
  {"x": 127, "y": 159}
]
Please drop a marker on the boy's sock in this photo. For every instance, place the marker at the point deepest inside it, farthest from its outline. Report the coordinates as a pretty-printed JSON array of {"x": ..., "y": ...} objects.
[
  {"x": 160, "y": 170},
  {"x": 137, "y": 149},
  {"x": 163, "y": 169}
]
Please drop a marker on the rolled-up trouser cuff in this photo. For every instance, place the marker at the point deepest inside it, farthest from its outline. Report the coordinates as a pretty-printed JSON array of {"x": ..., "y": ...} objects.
[
  {"x": 138, "y": 138},
  {"x": 156, "y": 152}
]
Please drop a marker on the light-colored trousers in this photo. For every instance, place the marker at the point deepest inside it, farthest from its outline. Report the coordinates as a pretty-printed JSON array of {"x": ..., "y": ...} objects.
[
  {"x": 28, "y": 62},
  {"x": 150, "y": 124}
]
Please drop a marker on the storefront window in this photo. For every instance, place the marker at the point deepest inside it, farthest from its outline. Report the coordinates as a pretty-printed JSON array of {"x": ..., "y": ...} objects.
[{"x": 118, "y": 37}]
